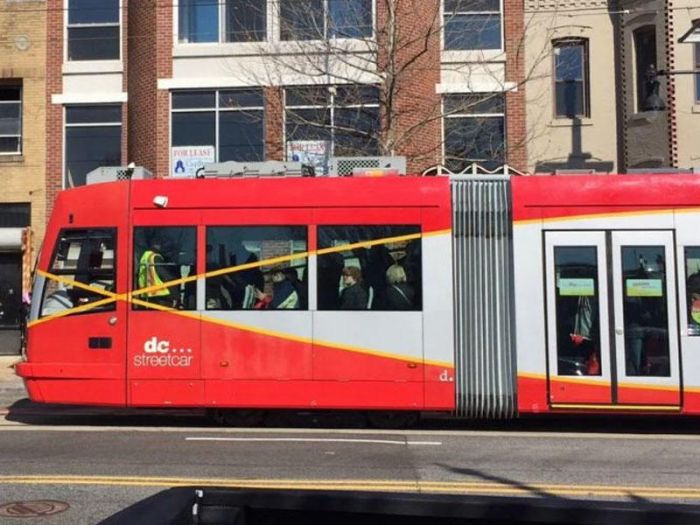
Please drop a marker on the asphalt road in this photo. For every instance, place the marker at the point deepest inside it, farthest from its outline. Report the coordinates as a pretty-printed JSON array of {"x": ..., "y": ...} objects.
[{"x": 99, "y": 461}]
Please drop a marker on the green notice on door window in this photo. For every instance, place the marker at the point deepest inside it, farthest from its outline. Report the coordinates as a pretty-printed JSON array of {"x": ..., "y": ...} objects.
[
  {"x": 644, "y": 288},
  {"x": 576, "y": 287}
]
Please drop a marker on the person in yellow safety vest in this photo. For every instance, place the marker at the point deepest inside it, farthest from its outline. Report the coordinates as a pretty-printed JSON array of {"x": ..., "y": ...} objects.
[{"x": 148, "y": 275}]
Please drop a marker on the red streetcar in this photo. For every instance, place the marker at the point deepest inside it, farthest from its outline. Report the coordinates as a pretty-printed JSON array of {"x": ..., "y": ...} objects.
[{"x": 482, "y": 297}]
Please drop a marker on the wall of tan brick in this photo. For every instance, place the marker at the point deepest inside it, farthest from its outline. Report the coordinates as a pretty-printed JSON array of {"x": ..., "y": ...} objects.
[
  {"x": 22, "y": 61},
  {"x": 54, "y": 112}
]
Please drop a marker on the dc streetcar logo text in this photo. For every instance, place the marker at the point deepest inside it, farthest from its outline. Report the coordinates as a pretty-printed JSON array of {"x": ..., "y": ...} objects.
[{"x": 160, "y": 354}]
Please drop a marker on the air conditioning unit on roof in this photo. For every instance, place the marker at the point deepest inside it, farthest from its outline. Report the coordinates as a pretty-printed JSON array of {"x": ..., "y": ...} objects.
[
  {"x": 344, "y": 166},
  {"x": 269, "y": 168},
  {"x": 112, "y": 173}
]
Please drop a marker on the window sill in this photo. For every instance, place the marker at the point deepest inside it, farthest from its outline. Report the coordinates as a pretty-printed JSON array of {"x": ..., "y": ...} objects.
[
  {"x": 695, "y": 109},
  {"x": 473, "y": 55},
  {"x": 648, "y": 116},
  {"x": 93, "y": 66},
  {"x": 570, "y": 122},
  {"x": 351, "y": 45},
  {"x": 8, "y": 158}
]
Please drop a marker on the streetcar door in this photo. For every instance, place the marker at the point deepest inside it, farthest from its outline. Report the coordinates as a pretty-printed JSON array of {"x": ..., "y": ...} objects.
[
  {"x": 164, "y": 343},
  {"x": 577, "y": 318},
  {"x": 646, "y": 324}
]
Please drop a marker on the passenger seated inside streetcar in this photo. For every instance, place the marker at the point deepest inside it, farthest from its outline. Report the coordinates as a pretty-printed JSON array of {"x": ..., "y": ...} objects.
[
  {"x": 283, "y": 294},
  {"x": 399, "y": 294},
  {"x": 353, "y": 295}
]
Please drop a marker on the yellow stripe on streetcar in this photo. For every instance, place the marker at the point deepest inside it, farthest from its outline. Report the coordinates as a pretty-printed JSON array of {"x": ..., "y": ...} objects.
[{"x": 131, "y": 298}]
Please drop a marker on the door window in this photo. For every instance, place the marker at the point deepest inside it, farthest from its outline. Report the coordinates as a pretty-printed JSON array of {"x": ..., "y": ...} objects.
[
  {"x": 692, "y": 289},
  {"x": 83, "y": 264},
  {"x": 577, "y": 315},
  {"x": 645, "y": 311}
]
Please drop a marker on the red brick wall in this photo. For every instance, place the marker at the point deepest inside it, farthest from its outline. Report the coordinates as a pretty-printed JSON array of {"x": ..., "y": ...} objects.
[
  {"x": 54, "y": 112},
  {"x": 164, "y": 67},
  {"x": 125, "y": 81},
  {"x": 274, "y": 123},
  {"x": 142, "y": 84},
  {"x": 514, "y": 21},
  {"x": 417, "y": 61}
]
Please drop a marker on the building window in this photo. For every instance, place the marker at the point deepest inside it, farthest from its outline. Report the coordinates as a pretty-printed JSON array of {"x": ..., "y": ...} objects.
[
  {"x": 474, "y": 130},
  {"x": 93, "y": 30},
  {"x": 318, "y": 19},
  {"x": 341, "y": 121},
  {"x": 10, "y": 120},
  {"x": 645, "y": 59},
  {"x": 232, "y": 121},
  {"x": 93, "y": 139},
  {"x": 202, "y": 21},
  {"x": 472, "y": 24},
  {"x": 697, "y": 75},
  {"x": 571, "y": 78}
]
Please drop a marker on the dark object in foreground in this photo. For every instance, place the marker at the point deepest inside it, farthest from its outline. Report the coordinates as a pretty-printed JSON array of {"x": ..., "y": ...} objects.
[{"x": 219, "y": 506}]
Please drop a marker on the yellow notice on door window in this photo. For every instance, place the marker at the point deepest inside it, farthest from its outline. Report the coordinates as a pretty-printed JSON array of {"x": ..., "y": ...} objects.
[
  {"x": 644, "y": 288},
  {"x": 576, "y": 287}
]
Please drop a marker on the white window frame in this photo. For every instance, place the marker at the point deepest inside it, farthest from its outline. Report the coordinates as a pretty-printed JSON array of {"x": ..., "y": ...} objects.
[
  {"x": 66, "y": 125},
  {"x": 331, "y": 106},
  {"x": 474, "y": 116},
  {"x": 443, "y": 16},
  {"x": 326, "y": 18},
  {"x": 19, "y": 136},
  {"x": 68, "y": 26},
  {"x": 696, "y": 67},
  {"x": 584, "y": 43},
  {"x": 221, "y": 27},
  {"x": 217, "y": 110}
]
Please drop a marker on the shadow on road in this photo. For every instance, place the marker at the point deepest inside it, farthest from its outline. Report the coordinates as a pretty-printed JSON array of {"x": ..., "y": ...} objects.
[{"x": 26, "y": 412}]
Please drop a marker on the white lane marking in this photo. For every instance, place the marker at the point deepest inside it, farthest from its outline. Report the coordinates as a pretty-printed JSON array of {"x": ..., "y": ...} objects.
[{"x": 317, "y": 440}]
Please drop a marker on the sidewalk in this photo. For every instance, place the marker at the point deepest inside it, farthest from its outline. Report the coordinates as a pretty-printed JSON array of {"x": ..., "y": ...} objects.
[{"x": 9, "y": 382}]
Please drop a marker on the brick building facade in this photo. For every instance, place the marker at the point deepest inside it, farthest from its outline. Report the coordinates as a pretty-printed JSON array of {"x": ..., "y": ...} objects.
[
  {"x": 22, "y": 155},
  {"x": 437, "y": 81}
]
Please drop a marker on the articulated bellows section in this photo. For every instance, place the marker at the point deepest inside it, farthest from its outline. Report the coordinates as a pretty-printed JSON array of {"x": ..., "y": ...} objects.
[{"x": 484, "y": 306}]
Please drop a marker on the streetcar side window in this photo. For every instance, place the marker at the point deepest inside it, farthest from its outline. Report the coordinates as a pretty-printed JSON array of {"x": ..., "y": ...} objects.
[
  {"x": 82, "y": 272},
  {"x": 385, "y": 274},
  {"x": 692, "y": 288},
  {"x": 258, "y": 267},
  {"x": 162, "y": 255}
]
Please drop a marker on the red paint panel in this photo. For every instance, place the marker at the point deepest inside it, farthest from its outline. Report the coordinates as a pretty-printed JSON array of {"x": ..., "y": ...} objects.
[
  {"x": 436, "y": 219},
  {"x": 269, "y": 193},
  {"x": 549, "y": 197},
  {"x": 334, "y": 364},
  {"x": 70, "y": 370},
  {"x": 333, "y": 216},
  {"x": 174, "y": 393},
  {"x": 163, "y": 345},
  {"x": 532, "y": 395},
  {"x": 691, "y": 403},
  {"x": 244, "y": 217},
  {"x": 231, "y": 353},
  {"x": 439, "y": 395},
  {"x": 571, "y": 392},
  {"x": 647, "y": 396},
  {"x": 315, "y": 394},
  {"x": 99, "y": 392}
]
